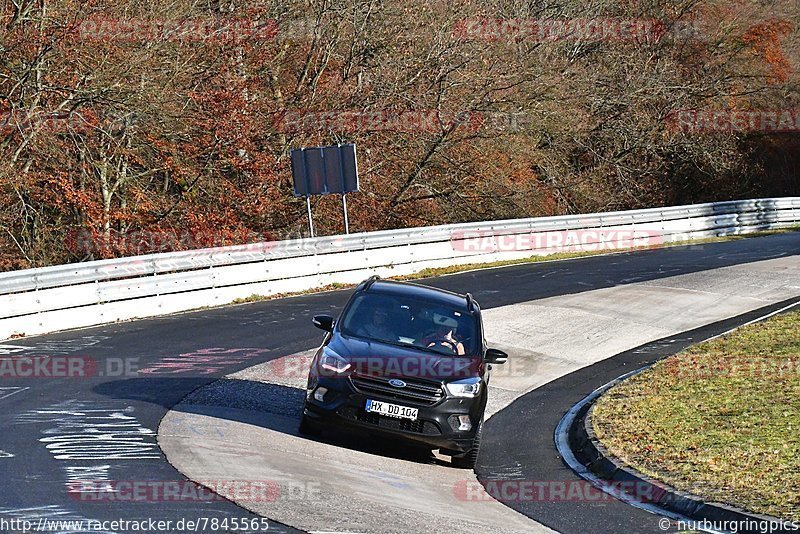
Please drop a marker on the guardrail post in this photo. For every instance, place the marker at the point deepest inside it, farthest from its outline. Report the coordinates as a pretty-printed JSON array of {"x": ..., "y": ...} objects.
[
  {"x": 36, "y": 291},
  {"x": 212, "y": 278},
  {"x": 155, "y": 273}
]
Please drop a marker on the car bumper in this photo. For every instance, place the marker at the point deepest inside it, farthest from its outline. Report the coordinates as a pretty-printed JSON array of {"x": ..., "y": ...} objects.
[{"x": 343, "y": 406}]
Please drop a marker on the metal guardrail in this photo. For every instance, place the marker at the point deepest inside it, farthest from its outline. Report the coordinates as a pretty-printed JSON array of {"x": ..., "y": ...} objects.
[{"x": 47, "y": 299}]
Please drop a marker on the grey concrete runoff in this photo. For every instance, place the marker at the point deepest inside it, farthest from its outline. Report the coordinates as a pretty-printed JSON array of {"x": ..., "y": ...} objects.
[{"x": 244, "y": 427}]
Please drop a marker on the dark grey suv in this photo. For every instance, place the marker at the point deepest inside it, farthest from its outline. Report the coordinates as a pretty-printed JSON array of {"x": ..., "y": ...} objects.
[{"x": 404, "y": 360}]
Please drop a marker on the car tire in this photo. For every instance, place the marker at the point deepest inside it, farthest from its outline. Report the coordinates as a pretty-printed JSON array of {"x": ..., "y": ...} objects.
[
  {"x": 308, "y": 427},
  {"x": 469, "y": 460}
]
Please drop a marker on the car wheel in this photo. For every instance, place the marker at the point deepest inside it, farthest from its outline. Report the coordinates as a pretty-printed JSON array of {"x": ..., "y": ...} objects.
[
  {"x": 308, "y": 427},
  {"x": 469, "y": 460}
]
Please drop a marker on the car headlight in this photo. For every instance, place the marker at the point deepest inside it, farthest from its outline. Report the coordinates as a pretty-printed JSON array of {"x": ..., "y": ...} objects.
[
  {"x": 334, "y": 363},
  {"x": 469, "y": 387}
]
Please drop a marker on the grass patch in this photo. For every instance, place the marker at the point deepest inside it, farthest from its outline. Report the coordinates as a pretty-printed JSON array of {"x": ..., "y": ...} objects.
[
  {"x": 720, "y": 420},
  {"x": 259, "y": 298}
]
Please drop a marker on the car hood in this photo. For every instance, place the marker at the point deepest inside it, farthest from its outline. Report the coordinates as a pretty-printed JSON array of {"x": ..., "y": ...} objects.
[{"x": 382, "y": 359}]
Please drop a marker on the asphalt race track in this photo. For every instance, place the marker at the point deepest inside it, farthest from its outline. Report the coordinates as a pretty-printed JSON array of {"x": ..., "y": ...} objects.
[
  {"x": 534, "y": 457},
  {"x": 59, "y": 432},
  {"x": 547, "y": 338}
]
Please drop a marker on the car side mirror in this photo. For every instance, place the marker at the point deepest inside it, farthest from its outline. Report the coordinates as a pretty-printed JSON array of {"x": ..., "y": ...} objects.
[
  {"x": 323, "y": 322},
  {"x": 495, "y": 356}
]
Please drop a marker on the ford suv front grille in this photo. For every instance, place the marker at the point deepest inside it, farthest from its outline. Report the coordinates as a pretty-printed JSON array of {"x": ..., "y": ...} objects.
[{"x": 415, "y": 391}]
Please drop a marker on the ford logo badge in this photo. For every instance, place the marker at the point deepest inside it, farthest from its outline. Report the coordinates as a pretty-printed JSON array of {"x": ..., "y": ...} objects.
[{"x": 397, "y": 383}]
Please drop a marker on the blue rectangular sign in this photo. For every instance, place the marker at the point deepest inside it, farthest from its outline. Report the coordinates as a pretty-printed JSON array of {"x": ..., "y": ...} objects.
[{"x": 325, "y": 170}]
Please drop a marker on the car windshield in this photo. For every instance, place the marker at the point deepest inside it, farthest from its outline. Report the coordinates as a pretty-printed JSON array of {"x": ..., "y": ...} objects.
[{"x": 411, "y": 322}]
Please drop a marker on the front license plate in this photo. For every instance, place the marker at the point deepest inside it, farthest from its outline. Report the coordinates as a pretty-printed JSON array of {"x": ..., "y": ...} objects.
[{"x": 392, "y": 410}]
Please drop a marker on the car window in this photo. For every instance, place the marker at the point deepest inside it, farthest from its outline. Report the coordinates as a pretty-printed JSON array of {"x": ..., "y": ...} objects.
[{"x": 410, "y": 321}]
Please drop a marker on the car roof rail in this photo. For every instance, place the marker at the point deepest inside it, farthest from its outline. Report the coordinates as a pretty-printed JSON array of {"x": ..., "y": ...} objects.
[
  {"x": 371, "y": 280},
  {"x": 470, "y": 303}
]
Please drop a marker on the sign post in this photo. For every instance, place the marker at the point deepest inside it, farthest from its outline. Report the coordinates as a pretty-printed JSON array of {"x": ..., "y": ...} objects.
[
  {"x": 310, "y": 220},
  {"x": 325, "y": 170},
  {"x": 344, "y": 208}
]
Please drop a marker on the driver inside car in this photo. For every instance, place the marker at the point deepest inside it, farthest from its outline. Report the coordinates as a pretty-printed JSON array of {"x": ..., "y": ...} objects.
[{"x": 445, "y": 335}]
